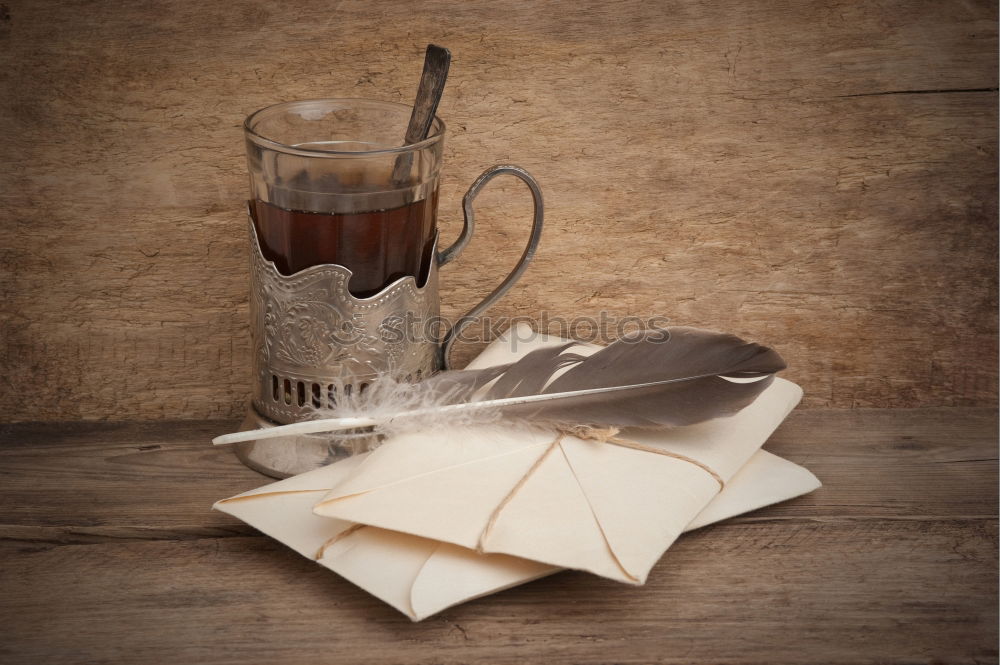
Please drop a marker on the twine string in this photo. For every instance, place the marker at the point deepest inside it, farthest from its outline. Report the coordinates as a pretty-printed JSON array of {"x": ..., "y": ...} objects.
[
  {"x": 335, "y": 539},
  {"x": 587, "y": 433},
  {"x": 610, "y": 435}
]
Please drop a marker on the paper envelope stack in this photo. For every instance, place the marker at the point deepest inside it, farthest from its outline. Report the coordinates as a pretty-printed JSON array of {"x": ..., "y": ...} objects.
[{"x": 431, "y": 519}]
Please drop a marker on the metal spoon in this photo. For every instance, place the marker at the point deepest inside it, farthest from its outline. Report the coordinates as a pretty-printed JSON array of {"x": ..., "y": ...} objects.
[{"x": 436, "y": 62}]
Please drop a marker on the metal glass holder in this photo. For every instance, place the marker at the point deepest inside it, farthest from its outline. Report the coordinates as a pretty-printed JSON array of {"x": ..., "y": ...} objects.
[{"x": 314, "y": 343}]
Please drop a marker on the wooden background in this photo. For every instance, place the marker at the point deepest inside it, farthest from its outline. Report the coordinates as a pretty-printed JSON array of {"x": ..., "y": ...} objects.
[{"x": 819, "y": 176}]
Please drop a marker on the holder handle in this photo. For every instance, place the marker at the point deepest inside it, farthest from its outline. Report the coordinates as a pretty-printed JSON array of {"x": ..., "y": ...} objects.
[{"x": 451, "y": 253}]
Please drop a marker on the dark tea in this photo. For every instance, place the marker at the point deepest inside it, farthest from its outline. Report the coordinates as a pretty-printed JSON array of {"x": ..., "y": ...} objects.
[{"x": 377, "y": 246}]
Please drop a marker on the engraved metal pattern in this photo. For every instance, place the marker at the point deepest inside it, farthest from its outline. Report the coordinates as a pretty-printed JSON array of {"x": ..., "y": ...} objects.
[{"x": 312, "y": 338}]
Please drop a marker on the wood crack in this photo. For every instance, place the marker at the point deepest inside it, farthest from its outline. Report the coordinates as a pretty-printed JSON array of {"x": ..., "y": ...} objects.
[
  {"x": 938, "y": 91},
  {"x": 51, "y": 537}
]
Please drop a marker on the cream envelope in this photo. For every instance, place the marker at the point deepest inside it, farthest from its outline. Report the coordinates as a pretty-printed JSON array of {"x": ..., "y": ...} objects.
[
  {"x": 531, "y": 493},
  {"x": 419, "y": 576}
]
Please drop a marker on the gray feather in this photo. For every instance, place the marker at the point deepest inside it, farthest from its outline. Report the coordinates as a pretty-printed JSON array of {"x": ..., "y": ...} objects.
[{"x": 671, "y": 377}]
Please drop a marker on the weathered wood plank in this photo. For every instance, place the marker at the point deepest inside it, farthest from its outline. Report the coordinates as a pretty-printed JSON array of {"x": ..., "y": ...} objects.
[
  {"x": 109, "y": 554},
  {"x": 901, "y": 592},
  {"x": 898, "y": 463},
  {"x": 84, "y": 482},
  {"x": 91, "y": 480},
  {"x": 818, "y": 175}
]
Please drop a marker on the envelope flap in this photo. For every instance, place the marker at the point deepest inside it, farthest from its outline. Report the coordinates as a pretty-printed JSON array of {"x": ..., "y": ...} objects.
[
  {"x": 520, "y": 340},
  {"x": 455, "y": 574},
  {"x": 408, "y": 457},
  {"x": 321, "y": 479},
  {"x": 288, "y": 518},
  {"x": 627, "y": 491},
  {"x": 725, "y": 444},
  {"x": 764, "y": 480},
  {"x": 383, "y": 563},
  {"x": 548, "y": 519},
  {"x": 283, "y": 510},
  {"x": 452, "y": 503}
]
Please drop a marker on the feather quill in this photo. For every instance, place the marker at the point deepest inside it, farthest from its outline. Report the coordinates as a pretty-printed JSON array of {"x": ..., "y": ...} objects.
[{"x": 659, "y": 378}]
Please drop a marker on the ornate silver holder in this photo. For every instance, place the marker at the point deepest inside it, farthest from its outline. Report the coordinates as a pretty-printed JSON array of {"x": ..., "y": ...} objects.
[{"x": 314, "y": 344}]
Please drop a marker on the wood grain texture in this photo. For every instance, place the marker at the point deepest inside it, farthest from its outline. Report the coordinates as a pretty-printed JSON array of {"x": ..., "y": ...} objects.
[
  {"x": 778, "y": 593},
  {"x": 820, "y": 176},
  {"x": 112, "y": 556}
]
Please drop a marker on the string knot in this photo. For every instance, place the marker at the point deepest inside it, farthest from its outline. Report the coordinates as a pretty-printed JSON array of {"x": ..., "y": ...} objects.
[{"x": 591, "y": 432}]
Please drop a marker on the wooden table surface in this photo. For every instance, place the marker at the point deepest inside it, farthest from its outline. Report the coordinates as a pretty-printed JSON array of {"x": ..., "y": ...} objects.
[{"x": 110, "y": 554}]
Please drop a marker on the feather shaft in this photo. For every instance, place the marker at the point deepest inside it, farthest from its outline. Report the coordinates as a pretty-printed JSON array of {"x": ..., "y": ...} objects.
[
  {"x": 324, "y": 425},
  {"x": 662, "y": 378}
]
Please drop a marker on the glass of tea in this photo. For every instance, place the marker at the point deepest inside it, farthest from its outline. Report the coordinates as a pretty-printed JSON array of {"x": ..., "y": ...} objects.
[
  {"x": 344, "y": 264},
  {"x": 330, "y": 183}
]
